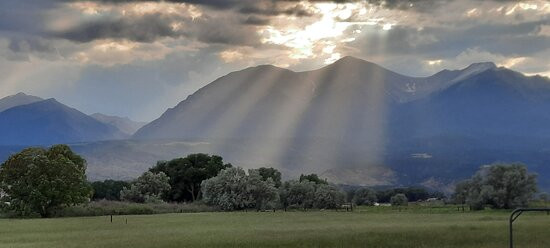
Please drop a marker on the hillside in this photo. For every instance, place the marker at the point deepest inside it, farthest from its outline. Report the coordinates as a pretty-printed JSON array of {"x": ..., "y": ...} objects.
[
  {"x": 50, "y": 122},
  {"x": 124, "y": 124},
  {"x": 17, "y": 100}
]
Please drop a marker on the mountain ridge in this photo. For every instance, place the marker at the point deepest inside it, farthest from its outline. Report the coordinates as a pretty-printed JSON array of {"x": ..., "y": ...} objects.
[
  {"x": 124, "y": 124},
  {"x": 16, "y": 100},
  {"x": 358, "y": 116},
  {"x": 49, "y": 122}
]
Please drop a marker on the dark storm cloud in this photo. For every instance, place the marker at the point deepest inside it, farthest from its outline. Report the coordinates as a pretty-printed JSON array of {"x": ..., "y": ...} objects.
[
  {"x": 257, "y": 21},
  {"x": 146, "y": 28},
  {"x": 30, "y": 44},
  {"x": 507, "y": 40},
  {"x": 218, "y": 4},
  {"x": 259, "y": 7},
  {"x": 149, "y": 28},
  {"x": 273, "y": 9},
  {"x": 223, "y": 31}
]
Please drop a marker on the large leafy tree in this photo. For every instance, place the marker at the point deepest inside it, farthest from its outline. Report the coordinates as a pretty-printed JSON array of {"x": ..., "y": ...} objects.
[
  {"x": 229, "y": 190},
  {"x": 312, "y": 178},
  {"x": 270, "y": 172},
  {"x": 149, "y": 187},
  {"x": 38, "y": 180},
  {"x": 233, "y": 189},
  {"x": 499, "y": 185},
  {"x": 108, "y": 189},
  {"x": 262, "y": 191},
  {"x": 399, "y": 200},
  {"x": 328, "y": 196},
  {"x": 186, "y": 174},
  {"x": 365, "y": 196},
  {"x": 301, "y": 194}
]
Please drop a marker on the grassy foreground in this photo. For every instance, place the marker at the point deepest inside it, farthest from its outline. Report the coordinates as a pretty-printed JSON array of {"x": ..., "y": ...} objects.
[{"x": 368, "y": 227}]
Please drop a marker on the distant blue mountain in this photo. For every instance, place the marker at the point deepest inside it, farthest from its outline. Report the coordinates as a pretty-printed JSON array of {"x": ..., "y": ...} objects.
[
  {"x": 50, "y": 122},
  {"x": 124, "y": 124},
  {"x": 16, "y": 100}
]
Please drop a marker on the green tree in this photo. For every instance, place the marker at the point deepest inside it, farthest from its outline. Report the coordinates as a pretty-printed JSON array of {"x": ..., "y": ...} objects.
[
  {"x": 501, "y": 186},
  {"x": 149, "y": 187},
  {"x": 313, "y": 178},
  {"x": 262, "y": 192},
  {"x": 228, "y": 190},
  {"x": 38, "y": 180},
  {"x": 328, "y": 197},
  {"x": 272, "y": 173},
  {"x": 365, "y": 196},
  {"x": 186, "y": 174},
  {"x": 284, "y": 192},
  {"x": 399, "y": 200},
  {"x": 108, "y": 189},
  {"x": 462, "y": 190},
  {"x": 301, "y": 194}
]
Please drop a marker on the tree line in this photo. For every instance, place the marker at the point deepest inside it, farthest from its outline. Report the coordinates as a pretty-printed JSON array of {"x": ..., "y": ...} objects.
[{"x": 40, "y": 180}]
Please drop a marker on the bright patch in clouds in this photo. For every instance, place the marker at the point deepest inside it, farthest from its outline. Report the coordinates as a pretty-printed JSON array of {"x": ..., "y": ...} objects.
[
  {"x": 323, "y": 34},
  {"x": 512, "y": 62},
  {"x": 434, "y": 62},
  {"x": 231, "y": 56}
]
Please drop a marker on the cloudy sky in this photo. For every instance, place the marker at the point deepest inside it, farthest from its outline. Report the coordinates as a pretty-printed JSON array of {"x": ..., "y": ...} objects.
[{"x": 137, "y": 58}]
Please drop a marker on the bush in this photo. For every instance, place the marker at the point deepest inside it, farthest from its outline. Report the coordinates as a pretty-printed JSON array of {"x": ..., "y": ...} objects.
[
  {"x": 108, "y": 189},
  {"x": 104, "y": 207},
  {"x": 187, "y": 174},
  {"x": 399, "y": 200},
  {"x": 328, "y": 197},
  {"x": 148, "y": 188},
  {"x": 227, "y": 190},
  {"x": 365, "y": 196},
  {"x": 301, "y": 194}
]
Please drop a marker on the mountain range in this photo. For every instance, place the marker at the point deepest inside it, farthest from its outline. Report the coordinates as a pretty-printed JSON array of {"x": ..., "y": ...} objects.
[
  {"x": 31, "y": 120},
  {"x": 355, "y": 117},
  {"x": 124, "y": 124},
  {"x": 353, "y": 122}
]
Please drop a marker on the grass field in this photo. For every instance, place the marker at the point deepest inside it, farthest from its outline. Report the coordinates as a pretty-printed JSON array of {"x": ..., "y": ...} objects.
[{"x": 366, "y": 227}]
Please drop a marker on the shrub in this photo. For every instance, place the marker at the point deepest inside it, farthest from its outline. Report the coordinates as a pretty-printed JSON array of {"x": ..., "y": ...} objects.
[
  {"x": 148, "y": 188},
  {"x": 365, "y": 196},
  {"x": 399, "y": 200}
]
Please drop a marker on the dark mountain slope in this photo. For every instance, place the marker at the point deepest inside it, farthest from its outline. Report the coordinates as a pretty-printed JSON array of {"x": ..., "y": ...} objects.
[{"x": 50, "y": 122}]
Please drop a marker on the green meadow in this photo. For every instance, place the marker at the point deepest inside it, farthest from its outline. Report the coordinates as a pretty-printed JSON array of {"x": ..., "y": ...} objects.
[{"x": 364, "y": 227}]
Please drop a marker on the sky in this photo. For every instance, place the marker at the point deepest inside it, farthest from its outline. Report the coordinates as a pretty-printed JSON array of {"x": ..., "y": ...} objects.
[{"x": 136, "y": 58}]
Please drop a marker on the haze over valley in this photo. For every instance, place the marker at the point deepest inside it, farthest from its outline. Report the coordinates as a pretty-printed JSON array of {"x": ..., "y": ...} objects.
[{"x": 353, "y": 122}]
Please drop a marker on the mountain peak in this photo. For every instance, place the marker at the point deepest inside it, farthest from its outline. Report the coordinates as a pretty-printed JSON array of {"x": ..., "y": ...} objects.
[
  {"x": 48, "y": 122},
  {"x": 51, "y": 101},
  {"x": 347, "y": 60},
  {"x": 352, "y": 63},
  {"x": 17, "y": 100},
  {"x": 481, "y": 66}
]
